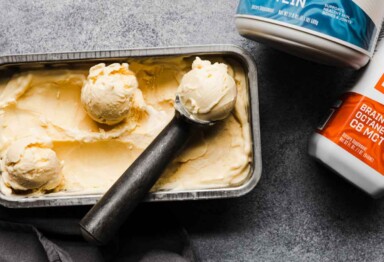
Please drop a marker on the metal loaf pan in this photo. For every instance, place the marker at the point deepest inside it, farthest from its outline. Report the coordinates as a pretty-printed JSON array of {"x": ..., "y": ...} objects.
[{"x": 16, "y": 63}]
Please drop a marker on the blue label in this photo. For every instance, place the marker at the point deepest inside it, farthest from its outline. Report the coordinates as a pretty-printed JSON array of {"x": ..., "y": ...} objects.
[{"x": 342, "y": 19}]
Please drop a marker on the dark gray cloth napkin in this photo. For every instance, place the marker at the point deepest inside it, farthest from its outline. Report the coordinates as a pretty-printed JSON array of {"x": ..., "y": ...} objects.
[
  {"x": 21, "y": 242},
  {"x": 53, "y": 234}
]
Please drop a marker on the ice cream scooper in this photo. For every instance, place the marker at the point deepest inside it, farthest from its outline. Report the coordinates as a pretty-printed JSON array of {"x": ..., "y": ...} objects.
[{"x": 102, "y": 222}]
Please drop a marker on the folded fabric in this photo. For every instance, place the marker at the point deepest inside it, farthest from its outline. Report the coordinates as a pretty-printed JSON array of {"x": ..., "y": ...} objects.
[
  {"x": 19, "y": 242},
  {"x": 142, "y": 238}
]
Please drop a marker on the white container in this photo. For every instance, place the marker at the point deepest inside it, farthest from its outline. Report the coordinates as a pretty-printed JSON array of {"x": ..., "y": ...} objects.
[
  {"x": 351, "y": 141},
  {"x": 333, "y": 32}
]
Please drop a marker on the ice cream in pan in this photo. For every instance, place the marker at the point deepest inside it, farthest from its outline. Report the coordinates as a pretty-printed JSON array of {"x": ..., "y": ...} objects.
[
  {"x": 108, "y": 93},
  {"x": 29, "y": 164},
  {"x": 206, "y": 94},
  {"x": 46, "y": 110}
]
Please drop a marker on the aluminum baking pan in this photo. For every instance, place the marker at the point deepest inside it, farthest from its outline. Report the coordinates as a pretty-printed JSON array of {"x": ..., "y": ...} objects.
[{"x": 15, "y": 63}]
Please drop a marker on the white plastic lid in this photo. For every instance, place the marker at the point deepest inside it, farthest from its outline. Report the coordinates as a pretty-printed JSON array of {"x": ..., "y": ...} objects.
[{"x": 302, "y": 44}]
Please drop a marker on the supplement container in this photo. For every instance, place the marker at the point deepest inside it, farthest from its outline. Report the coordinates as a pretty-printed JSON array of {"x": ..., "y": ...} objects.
[
  {"x": 334, "y": 32},
  {"x": 351, "y": 141}
]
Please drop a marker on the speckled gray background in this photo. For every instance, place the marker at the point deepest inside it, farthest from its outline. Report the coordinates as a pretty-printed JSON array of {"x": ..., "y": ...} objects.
[{"x": 299, "y": 211}]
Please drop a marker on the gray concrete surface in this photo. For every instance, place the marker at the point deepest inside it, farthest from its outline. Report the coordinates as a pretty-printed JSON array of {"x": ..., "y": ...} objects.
[{"x": 300, "y": 211}]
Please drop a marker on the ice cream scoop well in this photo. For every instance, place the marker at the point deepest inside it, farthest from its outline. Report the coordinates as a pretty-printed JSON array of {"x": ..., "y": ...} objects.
[{"x": 105, "y": 218}]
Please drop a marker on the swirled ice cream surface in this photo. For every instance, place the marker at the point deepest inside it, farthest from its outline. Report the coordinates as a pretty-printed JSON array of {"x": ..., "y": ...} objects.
[{"x": 46, "y": 104}]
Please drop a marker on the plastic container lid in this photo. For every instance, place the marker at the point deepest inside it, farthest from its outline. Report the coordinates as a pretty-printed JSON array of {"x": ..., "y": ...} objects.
[{"x": 301, "y": 43}]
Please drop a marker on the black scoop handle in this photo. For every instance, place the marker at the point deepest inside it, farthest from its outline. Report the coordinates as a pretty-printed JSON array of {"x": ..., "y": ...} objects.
[{"x": 103, "y": 221}]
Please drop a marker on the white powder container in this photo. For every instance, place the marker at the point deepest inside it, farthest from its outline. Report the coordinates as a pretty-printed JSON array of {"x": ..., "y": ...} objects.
[
  {"x": 333, "y": 32},
  {"x": 351, "y": 141}
]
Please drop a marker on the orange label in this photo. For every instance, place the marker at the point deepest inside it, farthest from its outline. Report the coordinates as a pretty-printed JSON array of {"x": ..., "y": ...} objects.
[
  {"x": 357, "y": 125},
  {"x": 380, "y": 85}
]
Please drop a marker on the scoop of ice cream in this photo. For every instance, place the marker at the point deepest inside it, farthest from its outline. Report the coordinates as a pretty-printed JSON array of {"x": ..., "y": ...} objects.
[
  {"x": 108, "y": 92},
  {"x": 30, "y": 164},
  {"x": 208, "y": 92}
]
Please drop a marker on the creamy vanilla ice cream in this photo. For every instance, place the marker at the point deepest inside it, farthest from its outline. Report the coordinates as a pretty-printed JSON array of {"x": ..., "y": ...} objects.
[
  {"x": 30, "y": 164},
  {"x": 47, "y": 103},
  {"x": 108, "y": 92},
  {"x": 208, "y": 92}
]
